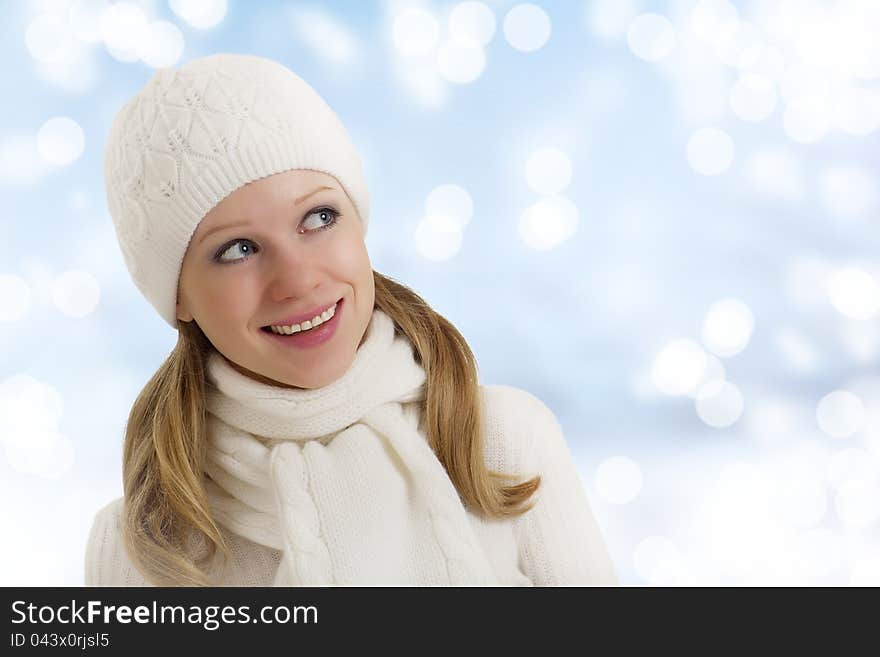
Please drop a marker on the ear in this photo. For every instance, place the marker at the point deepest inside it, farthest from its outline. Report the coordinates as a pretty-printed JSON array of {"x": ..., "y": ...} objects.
[{"x": 182, "y": 313}]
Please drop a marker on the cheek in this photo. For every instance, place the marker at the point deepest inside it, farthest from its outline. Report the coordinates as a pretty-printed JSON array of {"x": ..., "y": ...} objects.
[
  {"x": 228, "y": 298},
  {"x": 353, "y": 265},
  {"x": 367, "y": 282},
  {"x": 353, "y": 259}
]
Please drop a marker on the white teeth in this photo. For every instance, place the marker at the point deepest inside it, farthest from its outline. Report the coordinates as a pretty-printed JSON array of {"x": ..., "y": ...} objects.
[{"x": 317, "y": 320}]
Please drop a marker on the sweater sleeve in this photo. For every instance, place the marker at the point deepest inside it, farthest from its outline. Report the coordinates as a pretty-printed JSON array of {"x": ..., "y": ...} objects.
[
  {"x": 106, "y": 563},
  {"x": 558, "y": 541}
]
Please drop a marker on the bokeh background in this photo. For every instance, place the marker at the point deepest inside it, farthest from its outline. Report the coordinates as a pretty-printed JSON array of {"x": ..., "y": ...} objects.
[{"x": 661, "y": 218}]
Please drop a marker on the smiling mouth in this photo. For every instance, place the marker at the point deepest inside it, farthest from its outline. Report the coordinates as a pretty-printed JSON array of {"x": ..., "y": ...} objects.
[{"x": 336, "y": 308}]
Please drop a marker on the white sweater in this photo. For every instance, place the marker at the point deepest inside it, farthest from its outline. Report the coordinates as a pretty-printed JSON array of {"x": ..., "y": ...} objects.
[{"x": 284, "y": 495}]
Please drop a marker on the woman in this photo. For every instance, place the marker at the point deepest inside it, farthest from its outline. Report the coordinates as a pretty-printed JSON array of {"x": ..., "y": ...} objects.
[{"x": 317, "y": 423}]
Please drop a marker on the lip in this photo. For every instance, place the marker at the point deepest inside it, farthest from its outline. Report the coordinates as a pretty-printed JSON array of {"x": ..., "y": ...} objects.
[
  {"x": 299, "y": 319},
  {"x": 313, "y": 337}
]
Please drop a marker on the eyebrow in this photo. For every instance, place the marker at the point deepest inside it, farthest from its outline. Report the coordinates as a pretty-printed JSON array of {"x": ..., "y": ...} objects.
[{"x": 296, "y": 202}]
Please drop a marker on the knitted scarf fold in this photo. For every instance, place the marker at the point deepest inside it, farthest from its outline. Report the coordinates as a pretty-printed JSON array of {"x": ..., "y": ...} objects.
[{"x": 340, "y": 478}]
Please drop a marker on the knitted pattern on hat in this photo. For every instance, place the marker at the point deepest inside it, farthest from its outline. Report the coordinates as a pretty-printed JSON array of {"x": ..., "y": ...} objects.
[{"x": 194, "y": 135}]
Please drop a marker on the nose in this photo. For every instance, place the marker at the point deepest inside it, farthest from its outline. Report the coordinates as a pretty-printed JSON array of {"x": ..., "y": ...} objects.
[{"x": 294, "y": 272}]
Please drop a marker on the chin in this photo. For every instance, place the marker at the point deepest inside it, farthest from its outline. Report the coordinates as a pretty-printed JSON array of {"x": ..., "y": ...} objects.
[{"x": 319, "y": 380}]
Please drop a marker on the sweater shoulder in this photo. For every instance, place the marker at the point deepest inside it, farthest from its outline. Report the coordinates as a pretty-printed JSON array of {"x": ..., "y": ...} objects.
[
  {"x": 516, "y": 423},
  {"x": 106, "y": 561}
]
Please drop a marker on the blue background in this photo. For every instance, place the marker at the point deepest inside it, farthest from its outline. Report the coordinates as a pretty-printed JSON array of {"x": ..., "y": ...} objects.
[{"x": 579, "y": 325}]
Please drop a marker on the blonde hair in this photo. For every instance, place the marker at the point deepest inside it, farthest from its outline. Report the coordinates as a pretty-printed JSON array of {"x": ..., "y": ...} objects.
[{"x": 168, "y": 530}]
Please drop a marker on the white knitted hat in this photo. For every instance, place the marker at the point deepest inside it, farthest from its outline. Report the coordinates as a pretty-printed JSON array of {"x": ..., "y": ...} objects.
[{"x": 194, "y": 135}]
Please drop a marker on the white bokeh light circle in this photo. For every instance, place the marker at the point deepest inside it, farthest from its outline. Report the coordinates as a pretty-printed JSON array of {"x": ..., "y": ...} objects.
[
  {"x": 742, "y": 47},
  {"x": 714, "y": 376},
  {"x": 527, "y": 27},
  {"x": 60, "y": 141},
  {"x": 858, "y": 503},
  {"x": 753, "y": 98},
  {"x": 201, "y": 14},
  {"x": 472, "y": 22},
  {"x": 48, "y": 38},
  {"x": 830, "y": 40},
  {"x": 769, "y": 62},
  {"x": 548, "y": 223},
  {"x": 452, "y": 201},
  {"x": 415, "y": 32},
  {"x": 806, "y": 120},
  {"x": 867, "y": 387},
  {"x": 76, "y": 293},
  {"x": 29, "y": 408},
  {"x": 651, "y": 37},
  {"x": 548, "y": 171},
  {"x": 460, "y": 62},
  {"x": 48, "y": 455},
  {"x": 17, "y": 298},
  {"x": 840, "y": 414},
  {"x": 848, "y": 191},
  {"x": 714, "y": 20},
  {"x": 710, "y": 151},
  {"x": 85, "y": 19},
  {"x": 76, "y": 74},
  {"x": 164, "y": 45},
  {"x": 124, "y": 29},
  {"x": 728, "y": 327},
  {"x": 618, "y": 479},
  {"x": 438, "y": 237},
  {"x": 854, "y": 292},
  {"x": 722, "y": 407},
  {"x": 680, "y": 367}
]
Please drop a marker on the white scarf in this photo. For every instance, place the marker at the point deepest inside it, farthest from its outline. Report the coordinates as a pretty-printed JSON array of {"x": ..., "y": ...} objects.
[{"x": 340, "y": 478}]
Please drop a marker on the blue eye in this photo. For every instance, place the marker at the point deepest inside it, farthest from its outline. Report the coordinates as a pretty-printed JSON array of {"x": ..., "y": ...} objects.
[
  {"x": 225, "y": 249},
  {"x": 329, "y": 216}
]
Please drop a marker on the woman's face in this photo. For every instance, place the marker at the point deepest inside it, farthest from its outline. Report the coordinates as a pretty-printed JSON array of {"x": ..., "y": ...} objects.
[{"x": 260, "y": 256}]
